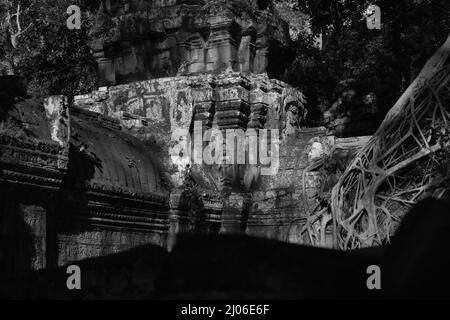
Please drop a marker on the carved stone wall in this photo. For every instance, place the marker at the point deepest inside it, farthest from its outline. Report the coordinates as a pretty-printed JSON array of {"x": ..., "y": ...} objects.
[
  {"x": 246, "y": 202},
  {"x": 153, "y": 39},
  {"x": 154, "y": 110},
  {"x": 74, "y": 185},
  {"x": 100, "y": 241},
  {"x": 114, "y": 196}
]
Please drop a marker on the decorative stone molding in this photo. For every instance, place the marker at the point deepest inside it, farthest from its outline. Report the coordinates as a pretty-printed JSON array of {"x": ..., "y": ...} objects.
[
  {"x": 229, "y": 100},
  {"x": 152, "y": 39},
  {"x": 32, "y": 162}
]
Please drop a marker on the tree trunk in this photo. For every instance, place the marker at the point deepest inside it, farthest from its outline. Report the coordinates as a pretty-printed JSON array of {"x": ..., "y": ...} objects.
[{"x": 392, "y": 159}]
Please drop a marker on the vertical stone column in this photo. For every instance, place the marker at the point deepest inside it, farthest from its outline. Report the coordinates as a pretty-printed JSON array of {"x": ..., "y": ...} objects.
[
  {"x": 232, "y": 221},
  {"x": 247, "y": 51},
  {"x": 258, "y": 109},
  {"x": 107, "y": 72},
  {"x": 262, "y": 53},
  {"x": 177, "y": 217},
  {"x": 131, "y": 63},
  {"x": 222, "y": 50},
  {"x": 231, "y": 112},
  {"x": 232, "y": 106},
  {"x": 196, "y": 57},
  {"x": 182, "y": 52},
  {"x": 35, "y": 220},
  {"x": 204, "y": 112},
  {"x": 213, "y": 207}
]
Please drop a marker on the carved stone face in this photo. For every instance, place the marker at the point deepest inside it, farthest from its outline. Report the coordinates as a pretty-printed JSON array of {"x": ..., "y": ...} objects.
[
  {"x": 292, "y": 118},
  {"x": 293, "y": 109}
]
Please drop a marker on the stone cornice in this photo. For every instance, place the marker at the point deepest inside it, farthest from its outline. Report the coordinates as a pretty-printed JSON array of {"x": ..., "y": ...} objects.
[
  {"x": 110, "y": 220},
  {"x": 32, "y": 162},
  {"x": 32, "y": 145},
  {"x": 103, "y": 120},
  {"x": 107, "y": 193}
]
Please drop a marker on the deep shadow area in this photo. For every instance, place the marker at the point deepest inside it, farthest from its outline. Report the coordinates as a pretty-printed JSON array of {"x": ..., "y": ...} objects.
[
  {"x": 125, "y": 275},
  {"x": 12, "y": 89},
  {"x": 417, "y": 263},
  {"x": 16, "y": 237},
  {"x": 239, "y": 267}
]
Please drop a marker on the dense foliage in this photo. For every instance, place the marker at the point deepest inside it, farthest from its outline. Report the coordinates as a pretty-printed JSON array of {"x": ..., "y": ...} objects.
[
  {"x": 53, "y": 59},
  {"x": 382, "y": 62}
]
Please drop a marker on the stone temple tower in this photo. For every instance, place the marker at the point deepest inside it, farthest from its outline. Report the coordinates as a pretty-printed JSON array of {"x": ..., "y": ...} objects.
[{"x": 155, "y": 39}]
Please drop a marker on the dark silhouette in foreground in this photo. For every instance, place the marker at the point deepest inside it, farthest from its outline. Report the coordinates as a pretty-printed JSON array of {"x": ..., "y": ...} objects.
[
  {"x": 233, "y": 267},
  {"x": 415, "y": 265}
]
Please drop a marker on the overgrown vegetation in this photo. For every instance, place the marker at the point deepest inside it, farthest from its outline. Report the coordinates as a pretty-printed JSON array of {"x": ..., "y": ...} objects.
[
  {"x": 36, "y": 44},
  {"x": 406, "y": 160},
  {"x": 408, "y": 157},
  {"x": 379, "y": 62}
]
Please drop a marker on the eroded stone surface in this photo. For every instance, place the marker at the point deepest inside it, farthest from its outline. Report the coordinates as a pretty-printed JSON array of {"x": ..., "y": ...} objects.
[
  {"x": 155, "y": 109},
  {"x": 153, "y": 39}
]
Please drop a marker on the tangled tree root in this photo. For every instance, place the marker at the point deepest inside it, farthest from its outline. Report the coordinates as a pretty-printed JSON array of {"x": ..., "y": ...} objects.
[{"x": 406, "y": 159}]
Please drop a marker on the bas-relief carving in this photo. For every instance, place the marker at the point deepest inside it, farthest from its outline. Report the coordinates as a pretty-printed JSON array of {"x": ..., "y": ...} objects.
[
  {"x": 231, "y": 99},
  {"x": 56, "y": 111},
  {"x": 181, "y": 104},
  {"x": 294, "y": 111},
  {"x": 292, "y": 123},
  {"x": 157, "y": 102},
  {"x": 100, "y": 242}
]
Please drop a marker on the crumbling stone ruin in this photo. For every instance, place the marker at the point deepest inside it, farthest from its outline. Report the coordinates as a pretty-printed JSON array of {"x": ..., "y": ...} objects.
[
  {"x": 97, "y": 175},
  {"x": 155, "y": 39}
]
